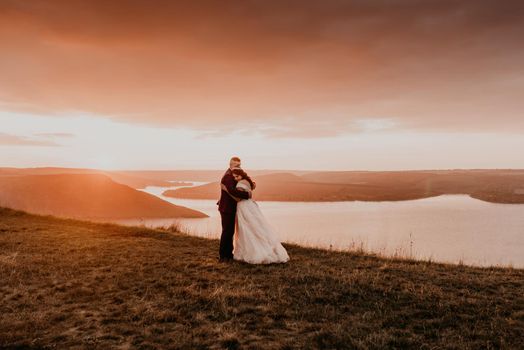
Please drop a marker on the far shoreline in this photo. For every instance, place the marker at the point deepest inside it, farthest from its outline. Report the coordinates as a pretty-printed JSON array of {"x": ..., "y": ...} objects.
[{"x": 171, "y": 194}]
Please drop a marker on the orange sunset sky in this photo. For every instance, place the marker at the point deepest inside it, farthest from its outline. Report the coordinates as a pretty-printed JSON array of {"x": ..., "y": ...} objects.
[{"x": 335, "y": 85}]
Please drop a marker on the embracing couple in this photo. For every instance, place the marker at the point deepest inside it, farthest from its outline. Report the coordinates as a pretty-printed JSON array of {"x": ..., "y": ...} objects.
[{"x": 255, "y": 242}]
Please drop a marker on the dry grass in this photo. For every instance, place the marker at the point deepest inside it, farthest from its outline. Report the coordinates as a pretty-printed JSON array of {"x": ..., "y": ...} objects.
[{"x": 67, "y": 283}]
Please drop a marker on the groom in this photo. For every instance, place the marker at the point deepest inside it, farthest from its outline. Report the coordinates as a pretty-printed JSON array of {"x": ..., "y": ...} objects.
[{"x": 227, "y": 206}]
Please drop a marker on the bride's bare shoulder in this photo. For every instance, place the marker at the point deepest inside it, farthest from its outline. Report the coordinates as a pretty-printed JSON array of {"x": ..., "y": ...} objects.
[{"x": 245, "y": 182}]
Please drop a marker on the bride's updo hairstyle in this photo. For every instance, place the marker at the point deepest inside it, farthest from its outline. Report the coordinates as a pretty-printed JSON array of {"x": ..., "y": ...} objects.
[{"x": 244, "y": 175}]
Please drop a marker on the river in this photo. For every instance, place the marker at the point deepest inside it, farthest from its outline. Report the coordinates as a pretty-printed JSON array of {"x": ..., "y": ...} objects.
[{"x": 449, "y": 228}]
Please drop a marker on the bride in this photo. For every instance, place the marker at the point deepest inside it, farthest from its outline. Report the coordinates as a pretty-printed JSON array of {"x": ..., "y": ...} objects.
[{"x": 255, "y": 242}]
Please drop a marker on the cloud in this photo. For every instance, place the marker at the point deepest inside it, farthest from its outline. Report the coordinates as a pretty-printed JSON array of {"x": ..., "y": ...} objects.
[
  {"x": 55, "y": 135},
  {"x": 283, "y": 66},
  {"x": 283, "y": 129},
  {"x": 14, "y": 140}
]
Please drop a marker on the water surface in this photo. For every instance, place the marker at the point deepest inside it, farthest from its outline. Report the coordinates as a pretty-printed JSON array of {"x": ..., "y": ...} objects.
[{"x": 450, "y": 228}]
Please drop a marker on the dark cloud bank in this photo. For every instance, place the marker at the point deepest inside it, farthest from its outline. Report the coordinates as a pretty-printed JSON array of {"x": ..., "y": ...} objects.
[{"x": 295, "y": 67}]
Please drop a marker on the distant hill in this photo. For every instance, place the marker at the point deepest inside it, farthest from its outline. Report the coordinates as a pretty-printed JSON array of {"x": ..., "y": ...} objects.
[
  {"x": 196, "y": 175},
  {"x": 299, "y": 191},
  {"x": 360, "y": 177},
  {"x": 138, "y": 178},
  {"x": 289, "y": 187},
  {"x": 117, "y": 176},
  {"x": 136, "y": 181},
  {"x": 498, "y": 186},
  {"x": 91, "y": 196},
  {"x": 403, "y": 176}
]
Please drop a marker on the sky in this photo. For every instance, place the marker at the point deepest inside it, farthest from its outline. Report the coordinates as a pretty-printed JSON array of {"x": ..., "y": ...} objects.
[{"x": 313, "y": 85}]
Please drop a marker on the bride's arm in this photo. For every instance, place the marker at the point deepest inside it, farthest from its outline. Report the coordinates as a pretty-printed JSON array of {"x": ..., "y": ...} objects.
[{"x": 229, "y": 185}]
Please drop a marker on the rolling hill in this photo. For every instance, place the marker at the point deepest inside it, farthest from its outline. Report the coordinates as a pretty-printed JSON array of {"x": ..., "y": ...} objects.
[
  {"x": 91, "y": 196},
  {"x": 498, "y": 186},
  {"x": 117, "y": 176},
  {"x": 194, "y": 175}
]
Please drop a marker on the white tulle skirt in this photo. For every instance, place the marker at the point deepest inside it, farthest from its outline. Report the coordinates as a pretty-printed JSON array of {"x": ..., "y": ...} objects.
[{"x": 256, "y": 242}]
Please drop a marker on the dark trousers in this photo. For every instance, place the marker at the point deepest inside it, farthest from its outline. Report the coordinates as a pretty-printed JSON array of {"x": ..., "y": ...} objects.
[{"x": 228, "y": 230}]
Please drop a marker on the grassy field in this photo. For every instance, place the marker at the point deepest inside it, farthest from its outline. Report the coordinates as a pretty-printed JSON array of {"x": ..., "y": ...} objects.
[{"x": 66, "y": 283}]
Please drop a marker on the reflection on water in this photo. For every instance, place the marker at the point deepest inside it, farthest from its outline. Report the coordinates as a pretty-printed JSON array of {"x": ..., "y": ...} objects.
[{"x": 451, "y": 228}]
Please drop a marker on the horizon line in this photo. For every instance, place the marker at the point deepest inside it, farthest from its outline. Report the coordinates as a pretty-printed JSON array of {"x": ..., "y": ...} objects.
[{"x": 267, "y": 169}]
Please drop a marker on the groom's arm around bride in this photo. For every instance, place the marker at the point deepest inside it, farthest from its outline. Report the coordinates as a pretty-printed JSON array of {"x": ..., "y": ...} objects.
[{"x": 229, "y": 185}]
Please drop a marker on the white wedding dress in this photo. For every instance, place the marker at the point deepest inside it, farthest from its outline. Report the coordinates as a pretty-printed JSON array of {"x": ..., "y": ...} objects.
[{"x": 256, "y": 242}]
